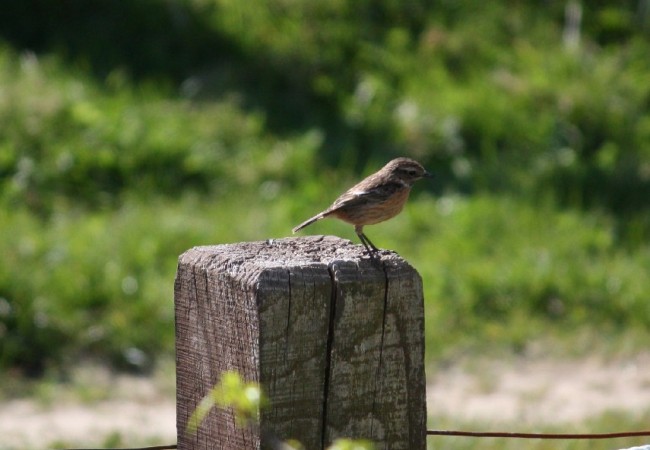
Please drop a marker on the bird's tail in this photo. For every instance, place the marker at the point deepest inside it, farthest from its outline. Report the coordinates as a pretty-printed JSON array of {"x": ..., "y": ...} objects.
[{"x": 307, "y": 222}]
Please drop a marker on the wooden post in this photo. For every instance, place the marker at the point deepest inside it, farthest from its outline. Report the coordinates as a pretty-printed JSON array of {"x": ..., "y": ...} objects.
[{"x": 335, "y": 339}]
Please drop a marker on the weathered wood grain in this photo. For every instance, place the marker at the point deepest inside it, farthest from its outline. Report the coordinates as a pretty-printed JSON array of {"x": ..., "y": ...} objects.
[
  {"x": 335, "y": 339},
  {"x": 376, "y": 375}
]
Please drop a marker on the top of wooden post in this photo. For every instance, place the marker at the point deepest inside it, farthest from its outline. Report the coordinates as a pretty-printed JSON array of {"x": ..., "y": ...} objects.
[{"x": 290, "y": 252}]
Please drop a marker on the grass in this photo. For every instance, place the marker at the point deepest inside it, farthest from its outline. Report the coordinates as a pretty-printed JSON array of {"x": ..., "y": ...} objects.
[{"x": 495, "y": 274}]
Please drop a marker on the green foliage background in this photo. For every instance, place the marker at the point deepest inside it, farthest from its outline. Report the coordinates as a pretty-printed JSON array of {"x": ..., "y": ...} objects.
[{"x": 133, "y": 130}]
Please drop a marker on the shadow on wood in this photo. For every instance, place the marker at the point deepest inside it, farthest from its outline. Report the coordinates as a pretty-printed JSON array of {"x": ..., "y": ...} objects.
[{"x": 335, "y": 338}]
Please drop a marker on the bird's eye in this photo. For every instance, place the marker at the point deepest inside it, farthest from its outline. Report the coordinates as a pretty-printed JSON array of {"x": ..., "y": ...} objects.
[{"x": 412, "y": 172}]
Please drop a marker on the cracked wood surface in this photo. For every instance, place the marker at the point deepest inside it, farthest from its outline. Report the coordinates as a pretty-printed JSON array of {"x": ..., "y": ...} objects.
[{"x": 334, "y": 337}]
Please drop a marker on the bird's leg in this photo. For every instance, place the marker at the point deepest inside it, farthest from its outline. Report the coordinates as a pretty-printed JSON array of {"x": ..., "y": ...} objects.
[
  {"x": 363, "y": 241},
  {"x": 370, "y": 247},
  {"x": 369, "y": 243}
]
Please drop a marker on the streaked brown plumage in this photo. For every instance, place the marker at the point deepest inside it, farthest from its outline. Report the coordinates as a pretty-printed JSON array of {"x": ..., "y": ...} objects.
[{"x": 377, "y": 198}]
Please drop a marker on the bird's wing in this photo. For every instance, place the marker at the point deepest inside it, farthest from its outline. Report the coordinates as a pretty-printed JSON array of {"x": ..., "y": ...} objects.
[{"x": 359, "y": 195}]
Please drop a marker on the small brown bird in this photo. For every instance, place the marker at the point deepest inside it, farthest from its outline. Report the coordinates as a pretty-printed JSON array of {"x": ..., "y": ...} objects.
[{"x": 380, "y": 196}]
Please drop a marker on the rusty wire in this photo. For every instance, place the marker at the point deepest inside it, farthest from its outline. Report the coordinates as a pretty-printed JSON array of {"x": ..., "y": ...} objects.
[{"x": 567, "y": 436}]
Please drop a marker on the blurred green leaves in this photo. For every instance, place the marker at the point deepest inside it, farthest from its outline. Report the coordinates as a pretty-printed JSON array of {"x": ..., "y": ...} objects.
[
  {"x": 350, "y": 444},
  {"x": 245, "y": 400},
  {"x": 131, "y": 131}
]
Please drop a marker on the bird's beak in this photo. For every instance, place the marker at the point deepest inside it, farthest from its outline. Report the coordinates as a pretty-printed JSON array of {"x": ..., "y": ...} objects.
[{"x": 428, "y": 174}]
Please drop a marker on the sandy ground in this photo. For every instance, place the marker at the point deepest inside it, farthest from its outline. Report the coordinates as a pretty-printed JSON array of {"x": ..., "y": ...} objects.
[
  {"x": 136, "y": 411},
  {"x": 97, "y": 410},
  {"x": 541, "y": 392}
]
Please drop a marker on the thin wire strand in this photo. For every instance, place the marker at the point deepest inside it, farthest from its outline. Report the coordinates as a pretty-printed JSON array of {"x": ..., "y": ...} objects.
[
  {"x": 499, "y": 434},
  {"x": 156, "y": 447}
]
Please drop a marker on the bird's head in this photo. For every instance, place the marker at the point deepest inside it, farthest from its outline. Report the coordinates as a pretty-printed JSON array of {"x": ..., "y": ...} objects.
[{"x": 406, "y": 170}]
